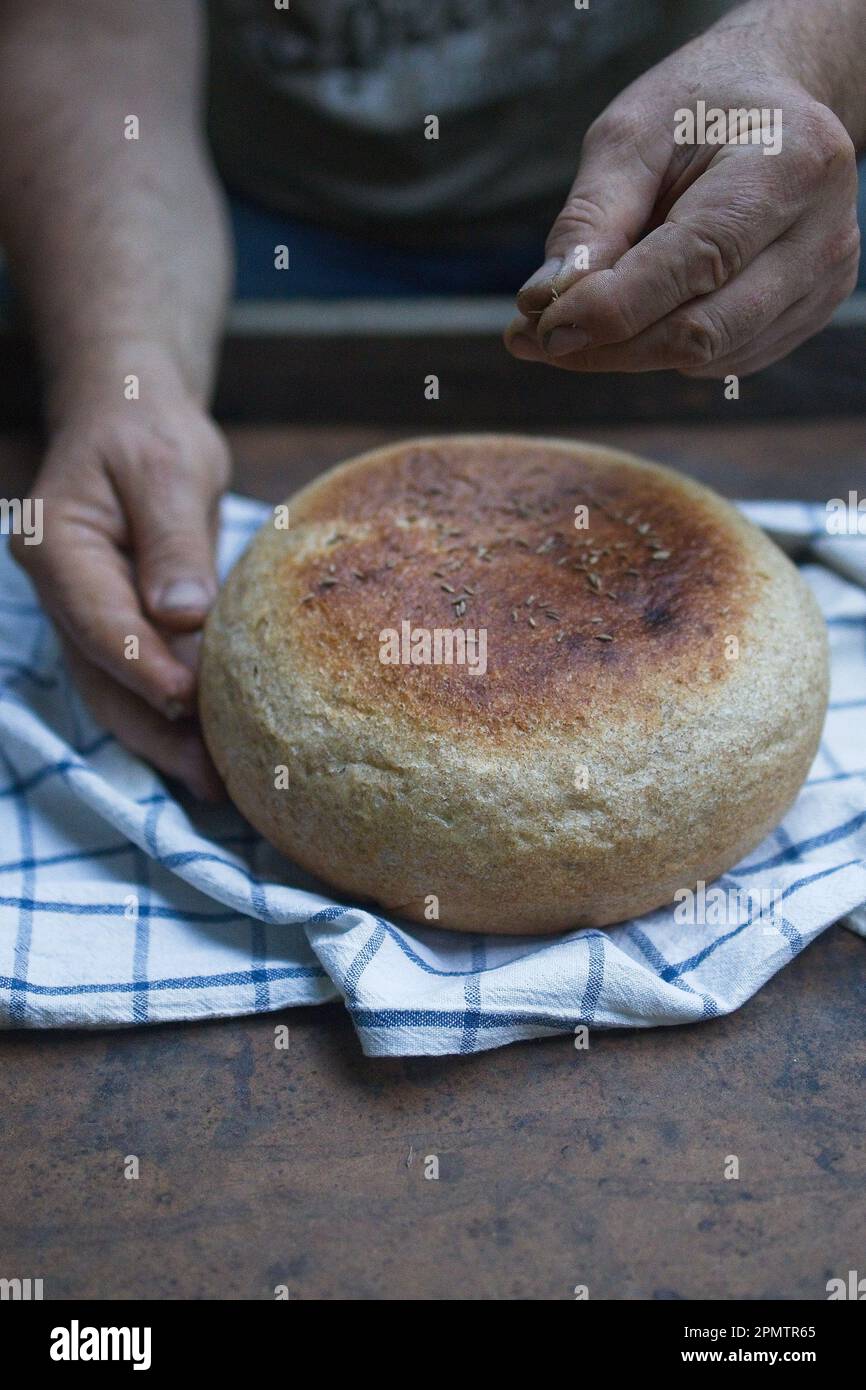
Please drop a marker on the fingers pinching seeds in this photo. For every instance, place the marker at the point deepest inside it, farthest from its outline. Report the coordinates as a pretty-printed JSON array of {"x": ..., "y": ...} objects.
[
  {"x": 701, "y": 248},
  {"x": 609, "y": 204},
  {"x": 664, "y": 233}
]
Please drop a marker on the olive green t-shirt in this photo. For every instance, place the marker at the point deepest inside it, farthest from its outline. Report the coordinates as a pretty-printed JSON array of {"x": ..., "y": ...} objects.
[{"x": 434, "y": 122}]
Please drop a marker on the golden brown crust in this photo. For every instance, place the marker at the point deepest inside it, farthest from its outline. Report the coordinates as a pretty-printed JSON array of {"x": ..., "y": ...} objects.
[
  {"x": 613, "y": 751},
  {"x": 462, "y": 533}
]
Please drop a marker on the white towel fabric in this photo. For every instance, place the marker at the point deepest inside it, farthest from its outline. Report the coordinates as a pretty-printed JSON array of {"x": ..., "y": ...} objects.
[{"x": 123, "y": 903}]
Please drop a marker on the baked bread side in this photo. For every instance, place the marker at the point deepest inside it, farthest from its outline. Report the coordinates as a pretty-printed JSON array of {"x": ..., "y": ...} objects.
[{"x": 653, "y": 690}]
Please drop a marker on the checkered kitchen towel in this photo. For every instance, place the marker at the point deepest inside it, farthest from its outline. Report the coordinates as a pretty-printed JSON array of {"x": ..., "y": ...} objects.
[{"x": 122, "y": 904}]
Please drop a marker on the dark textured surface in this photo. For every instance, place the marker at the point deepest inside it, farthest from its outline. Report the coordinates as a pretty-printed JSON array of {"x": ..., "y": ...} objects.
[{"x": 557, "y": 1167}]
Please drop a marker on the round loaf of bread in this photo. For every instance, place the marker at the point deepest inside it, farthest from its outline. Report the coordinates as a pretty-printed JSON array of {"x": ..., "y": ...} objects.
[{"x": 513, "y": 685}]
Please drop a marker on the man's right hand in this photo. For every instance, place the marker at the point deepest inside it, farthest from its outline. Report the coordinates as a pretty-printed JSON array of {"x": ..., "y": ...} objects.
[
  {"x": 130, "y": 493},
  {"x": 119, "y": 246}
]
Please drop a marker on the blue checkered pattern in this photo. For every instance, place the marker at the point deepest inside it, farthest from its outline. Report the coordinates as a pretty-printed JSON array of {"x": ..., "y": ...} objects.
[{"x": 120, "y": 903}]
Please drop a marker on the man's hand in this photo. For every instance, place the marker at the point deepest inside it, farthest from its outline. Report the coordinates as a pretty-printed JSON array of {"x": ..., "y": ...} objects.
[
  {"x": 711, "y": 259},
  {"x": 120, "y": 251},
  {"x": 130, "y": 496}
]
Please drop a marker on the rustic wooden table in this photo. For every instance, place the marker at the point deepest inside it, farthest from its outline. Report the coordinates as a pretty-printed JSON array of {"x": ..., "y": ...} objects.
[{"x": 557, "y": 1167}]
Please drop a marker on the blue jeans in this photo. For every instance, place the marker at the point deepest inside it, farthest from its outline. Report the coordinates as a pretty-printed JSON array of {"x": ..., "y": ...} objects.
[{"x": 324, "y": 264}]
